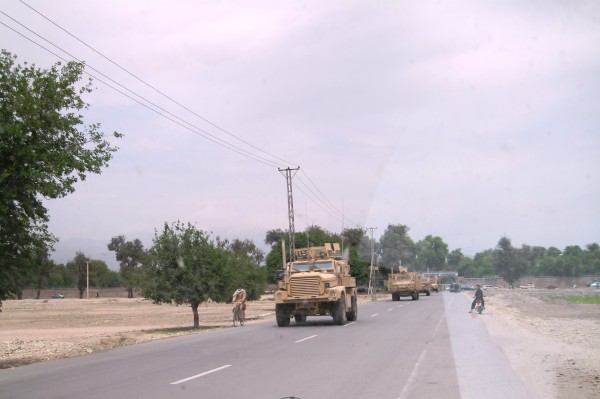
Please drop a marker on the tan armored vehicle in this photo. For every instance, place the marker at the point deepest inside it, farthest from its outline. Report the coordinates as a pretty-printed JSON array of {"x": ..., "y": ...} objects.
[
  {"x": 317, "y": 283},
  {"x": 404, "y": 283},
  {"x": 426, "y": 286}
]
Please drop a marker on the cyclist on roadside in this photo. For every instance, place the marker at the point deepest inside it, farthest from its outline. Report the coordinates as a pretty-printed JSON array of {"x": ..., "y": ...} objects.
[{"x": 240, "y": 296}]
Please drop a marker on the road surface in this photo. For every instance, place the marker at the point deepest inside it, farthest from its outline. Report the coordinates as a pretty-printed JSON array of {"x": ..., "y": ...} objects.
[{"x": 408, "y": 349}]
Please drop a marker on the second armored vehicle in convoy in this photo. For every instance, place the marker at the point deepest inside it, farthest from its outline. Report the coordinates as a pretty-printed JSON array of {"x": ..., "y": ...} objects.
[
  {"x": 316, "y": 283},
  {"x": 404, "y": 283}
]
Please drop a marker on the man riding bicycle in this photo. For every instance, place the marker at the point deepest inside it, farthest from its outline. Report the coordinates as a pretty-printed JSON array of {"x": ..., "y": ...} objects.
[{"x": 239, "y": 296}]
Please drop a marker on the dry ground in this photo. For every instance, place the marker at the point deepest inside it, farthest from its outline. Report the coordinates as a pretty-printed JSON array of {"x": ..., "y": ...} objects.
[{"x": 552, "y": 343}]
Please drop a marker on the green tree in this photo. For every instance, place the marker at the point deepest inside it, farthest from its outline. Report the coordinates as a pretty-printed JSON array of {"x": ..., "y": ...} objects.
[
  {"x": 396, "y": 246},
  {"x": 431, "y": 253},
  {"x": 483, "y": 264},
  {"x": 45, "y": 148},
  {"x": 130, "y": 255},
  {"x": 242, "y": 268},
  {"x": 185, "y": 266},
  {"x": 508, "y": 261},
  {"x": 78, "y": 268}
]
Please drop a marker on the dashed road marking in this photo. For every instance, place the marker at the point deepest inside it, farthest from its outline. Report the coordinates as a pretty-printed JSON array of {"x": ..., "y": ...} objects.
[
  {"x": 201, "y": 374},
  {"x": 307, "y": 338}
]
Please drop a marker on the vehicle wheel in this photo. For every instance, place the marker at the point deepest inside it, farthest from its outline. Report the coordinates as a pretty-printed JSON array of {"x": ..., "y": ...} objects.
[
  {"x": 427, "y": 293},
  {"x": 283, "y": 319},
  {"x": 353, "y": 313},
  {"x": 300, "y": 318},
  {"x": 415, "y": 296},
  {"x": 339, "y": 311},
  {"x": 395, "y": 296}
]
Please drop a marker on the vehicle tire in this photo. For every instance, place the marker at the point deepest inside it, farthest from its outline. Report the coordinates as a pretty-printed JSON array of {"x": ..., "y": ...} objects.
[
  {"x": 395, "y": 296},
  {"x": 339, "y": 311},
  {"x": 353, "y": 313},
  {"x": 300, "y": 318},
  {"x": 414, "y": 296},
  {"x": 427, "y": 293},
  {"x": 283, "y": 318}
]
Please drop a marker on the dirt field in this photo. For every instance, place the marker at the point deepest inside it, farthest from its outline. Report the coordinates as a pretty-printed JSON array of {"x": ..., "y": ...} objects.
[{"x": 552, "y": 343}]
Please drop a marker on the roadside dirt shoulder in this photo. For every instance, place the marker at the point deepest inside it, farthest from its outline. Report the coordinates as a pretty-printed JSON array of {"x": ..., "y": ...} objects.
[
  {"x": 37, "y": 330},
  {"x": 552, "y": 343}
]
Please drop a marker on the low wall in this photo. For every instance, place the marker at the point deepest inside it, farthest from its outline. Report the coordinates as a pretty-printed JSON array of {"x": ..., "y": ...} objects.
[
  {"x": 118, "y": 292},
  {"x": 540, "y": 282}
]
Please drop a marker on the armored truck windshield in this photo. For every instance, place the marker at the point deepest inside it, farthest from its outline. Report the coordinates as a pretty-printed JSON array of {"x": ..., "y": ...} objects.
[{"x": 306, "y": 266}]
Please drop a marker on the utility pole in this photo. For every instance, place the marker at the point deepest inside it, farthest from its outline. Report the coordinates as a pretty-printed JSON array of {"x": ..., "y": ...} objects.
[
  {"x": 371, "y": 289},
  {"x": 87, "y": 277},
  {"x": 288, "y": 177}
]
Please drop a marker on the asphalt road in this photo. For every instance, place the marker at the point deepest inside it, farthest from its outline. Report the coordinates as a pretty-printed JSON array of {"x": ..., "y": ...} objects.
[{"x": 408, "y": 349}]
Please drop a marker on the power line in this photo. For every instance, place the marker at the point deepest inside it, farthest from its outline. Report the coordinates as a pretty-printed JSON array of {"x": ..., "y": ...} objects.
[
  {"x": 155, "y": 89},
  {"x": 176, "y": 119},
  {"x": 194, "y": 129}
]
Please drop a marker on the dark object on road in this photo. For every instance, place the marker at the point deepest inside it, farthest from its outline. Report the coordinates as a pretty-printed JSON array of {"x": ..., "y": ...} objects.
[{"x": 454, "y": 288}]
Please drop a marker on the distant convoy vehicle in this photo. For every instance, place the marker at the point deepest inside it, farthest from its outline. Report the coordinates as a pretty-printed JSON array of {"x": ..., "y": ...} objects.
[
  {"x": 57, "y": 296},
  {"x": 595, "y": 284},
  {"x": 317, "y": 283},
  {"x": 454, "y": 288},
  {"x": 404, "y": 283},
  {"x": 527, "y": 286}
]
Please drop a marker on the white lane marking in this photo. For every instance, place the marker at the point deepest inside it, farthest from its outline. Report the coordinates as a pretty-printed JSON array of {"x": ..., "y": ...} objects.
[
  {"x": 390, "y": 309},
  {"x": 201, "y": 374},
  {"x": 376, "y": 314},
  {"x": 349, "y": 324},
  {"x": 304, "y": 339}
]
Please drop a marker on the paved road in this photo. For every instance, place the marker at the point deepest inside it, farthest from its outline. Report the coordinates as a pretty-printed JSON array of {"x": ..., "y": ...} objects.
[{"x": 407, "y": 349}]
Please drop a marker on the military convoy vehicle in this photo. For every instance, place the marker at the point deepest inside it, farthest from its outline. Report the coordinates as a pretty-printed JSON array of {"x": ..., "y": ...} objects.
[
  {"x": 426, "y": 287},
  {"x": 316, "y": 283},
  {"x": 404, "y": 283}
]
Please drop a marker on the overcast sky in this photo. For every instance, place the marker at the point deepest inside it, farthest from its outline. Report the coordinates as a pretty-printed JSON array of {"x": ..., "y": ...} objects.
[{"x": 467, "y": 120}]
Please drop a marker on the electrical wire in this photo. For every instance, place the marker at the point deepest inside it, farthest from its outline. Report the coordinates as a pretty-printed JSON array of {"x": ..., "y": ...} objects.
[
  {"x": 155, "y": 89},
  {"x": 327, "y": 207}
]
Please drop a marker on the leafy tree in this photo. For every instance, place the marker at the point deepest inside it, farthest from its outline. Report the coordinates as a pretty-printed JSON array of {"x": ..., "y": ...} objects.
[
  {"x": 395, "y": 246},
  {"x": 248, "y": 248},
  {"x": 483, "y": 264},
  {"x": 508, "y": 261},
  {"x": 101, "y": 276},
  {"x": 45, "y": 148},
  {"x": 78, "y": 268},
  {"x": 242, "y": 268},
  {"x": 358, "y": 247},
  {"x": 185, "y": 267},
  {"x": 130, "y": 254},
  {"x": 431, "y": 253},
  {"x": 275, "y": 236}
]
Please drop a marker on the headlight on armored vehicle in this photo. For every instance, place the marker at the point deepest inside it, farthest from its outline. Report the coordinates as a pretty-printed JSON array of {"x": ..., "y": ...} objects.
[
  {"x": 332, "y": 294},
  {"x": 279, "y": 295}
]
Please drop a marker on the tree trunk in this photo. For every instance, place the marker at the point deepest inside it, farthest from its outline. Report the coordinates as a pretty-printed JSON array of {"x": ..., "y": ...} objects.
[
  {"x": 129, "y": 292},
  {"x": 196, "y": 317}
]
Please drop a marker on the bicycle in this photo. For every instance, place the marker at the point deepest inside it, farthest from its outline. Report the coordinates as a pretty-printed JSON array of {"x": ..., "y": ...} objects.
[{"x": 238, "y": 314}]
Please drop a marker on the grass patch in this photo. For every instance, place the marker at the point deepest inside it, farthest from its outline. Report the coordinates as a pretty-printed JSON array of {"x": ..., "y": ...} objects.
[{"x": 580, "y": 299}]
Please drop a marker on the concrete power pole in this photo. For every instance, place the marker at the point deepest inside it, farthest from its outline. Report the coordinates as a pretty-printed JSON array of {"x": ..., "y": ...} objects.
[
  {"x": 288, "y": 177},
  {"x": 371, "y": 290}
]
